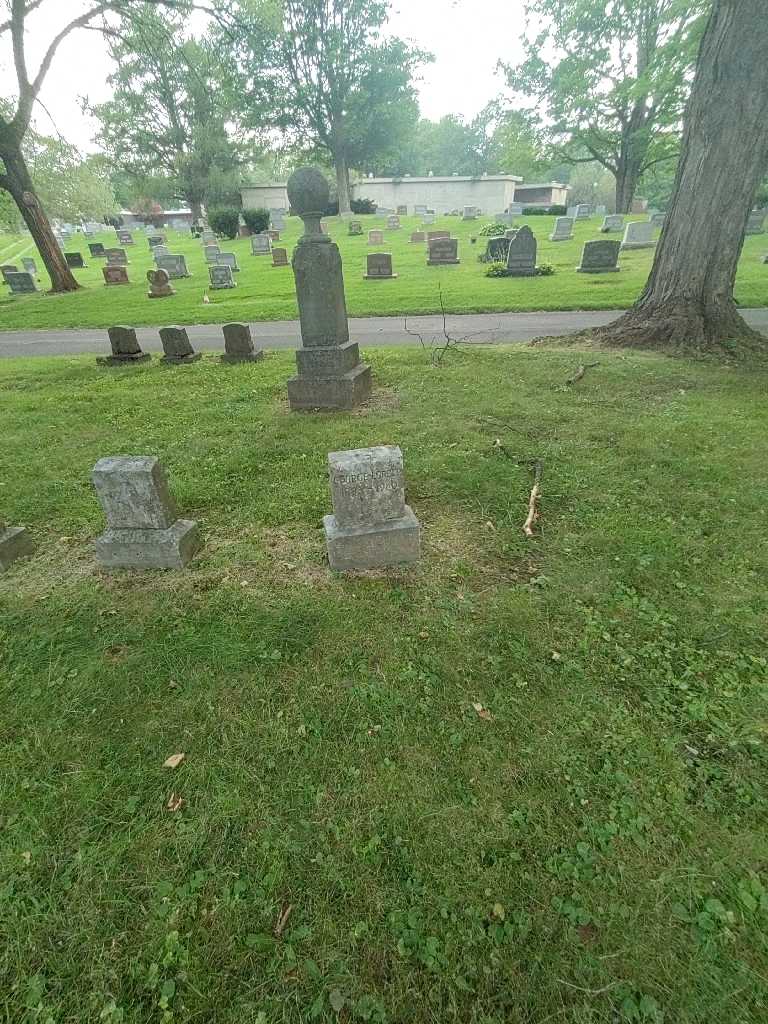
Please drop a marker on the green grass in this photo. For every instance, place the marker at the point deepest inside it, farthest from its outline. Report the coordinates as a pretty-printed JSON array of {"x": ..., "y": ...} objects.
[
  {"x": 266, "y": 293},
  {"x": 595, "y": 852}
]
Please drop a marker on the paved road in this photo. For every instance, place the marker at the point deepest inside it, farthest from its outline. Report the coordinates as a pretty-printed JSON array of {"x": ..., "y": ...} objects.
[{"x": 476, "y": 328}]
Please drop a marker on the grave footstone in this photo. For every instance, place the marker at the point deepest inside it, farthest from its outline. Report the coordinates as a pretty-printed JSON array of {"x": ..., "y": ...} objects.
[
  {"x": 74, "y": 260},
  {"x": 29, "y": 265},
  {"x": 177, "y": 348},
  {"x": 563, "y": 231},
  {"x": 238, "y": 345},
  {"x": 638, "y": 234},
  {"x": 116, "y": 257},
  {"x": 379, "y": 266},
  {"x": 221, "y": 276},
  {"x": 280, "y": 258},
  {"x": 15, "y": 543},
  {"x": 125, "y": 347},
  {"x": 21, "y": 282},
  {"x": 613, "y": 222},
  {"x": 228, "y": 259},
  {"x": 330, "y": 374},
  {"x": 442, "y": 252},
  {"x": 371, "y": 526},
  {"x": 600, "y": 257},
  {"x": 393, "y": 223},
  {"x": 143, "y": 529},
  {"x": 756, "y": 223},
  {"x": 114, "y": 276},
  {"x": 211, "y": 253},
  {"x": 159, "y": 285},
  {"x": 261, "y": 244},
  {"x": 418, "y": 236},
  {"x": 521, "y": 256},
  {"x": 174, "y": 264},
  {"x": 96, "y": 249},
  {"x": 375, "y": 237},
  {"x": 355, "y": 228}
]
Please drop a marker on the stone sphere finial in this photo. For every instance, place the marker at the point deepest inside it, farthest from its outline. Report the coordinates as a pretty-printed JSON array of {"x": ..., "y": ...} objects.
[{"x": 308, "y": 194}]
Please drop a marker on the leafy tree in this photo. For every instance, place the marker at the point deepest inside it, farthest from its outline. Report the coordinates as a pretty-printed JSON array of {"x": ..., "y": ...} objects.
[
  {"x": 329, "y": 77},
  {"x": 612, "y": 79},
  {"x": 15, "y": 123},
  {"x": 172, "y": 110},
  {"x": 70, "y": 187},
  {"x": 688, "y": 301},
  {"x": 515, "y": 144}
]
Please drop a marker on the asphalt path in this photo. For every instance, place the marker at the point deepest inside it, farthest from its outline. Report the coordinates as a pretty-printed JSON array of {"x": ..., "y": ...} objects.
[{"x": 473, "y": 328}]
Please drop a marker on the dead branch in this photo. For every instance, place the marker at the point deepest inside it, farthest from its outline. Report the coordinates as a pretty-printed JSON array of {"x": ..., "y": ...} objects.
[
  {"x": 533, "y": 501},
  {"x": 282, "y": 920},
  {"x": 580, "y": 372}
]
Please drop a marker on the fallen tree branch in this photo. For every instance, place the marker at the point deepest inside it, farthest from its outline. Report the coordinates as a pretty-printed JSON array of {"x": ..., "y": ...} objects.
[
  {"x": 533, "y": 511},
  {"x": 282, "y": 920},
  {"x": 580, "y": 372}
]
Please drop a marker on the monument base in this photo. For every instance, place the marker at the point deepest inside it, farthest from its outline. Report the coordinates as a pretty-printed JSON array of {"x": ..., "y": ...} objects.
[
  {"x": 637, "y": 245},
  {"x": 396, "y": 542},
  {"x": 442, "y": 263},
  {"x": 561, "y": 238},
  {"x": 176, "y": 360},
  {"x": 15, "y": 543},
  {"x": 597, "y": 270},
  {"x": 344, "y": 391},
  {"x": 246, "y": 357},
  {"x": 521, "y": 273},
  {"x": 379, "y": 277},
  {"x": 139, "y": 357},
  {"x": 149, "y": 549}
]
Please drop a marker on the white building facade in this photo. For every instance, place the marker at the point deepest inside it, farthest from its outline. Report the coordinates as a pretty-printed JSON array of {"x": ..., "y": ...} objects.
[{"x": 490, "y": 193}]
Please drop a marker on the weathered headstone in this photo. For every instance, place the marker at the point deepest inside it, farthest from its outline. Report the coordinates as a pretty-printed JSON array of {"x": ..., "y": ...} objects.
[
  {"x": 516, "y": 209},
  {"x": 432, "y": 235},
  {"x": 21, "y": 282},
  {"x": 521, "y": 257},
  {"x": 563, "y": 231},
  {"x": 8, "y": 268},
  {"x": 143, "y": 528},
  {"x": 280, "y": 258},
  {"x": 160, "y": 250},
  {"x": 427, "y": 219},
  {"x": 375, "y": 237},
  {"x": 115, "y": 275},
  {"x": 330, "y": 374},
  {"x": 125, "y": 347},
  {"x": 277, "y": 219},
  {"x": 469, "y": 213},
  {"x": 174, "y": 264},
  {"x": 177, "y": 348},
  {"x": 496, "y": 249},
  {"x": 228, "y": 259},
  {"x": 393, "y": 222},
  {"x": 274, "y": 236},
  {"x": 379, "y": 266},
  {"x": 600, "y": 257},
  {"x": 211, "y": 253},
  {"x": 74, "y": 260},
  {"x": 238, "y": 345},
  {"x": 756, "y": 223},
  {"x": 221, "y": 276},
  {"x": 658, "y": 219},
  {"x": 116, "y": 257},
  {"x": 355, "y": 228},
  {"x": 29, "y": 265},
  {"x": 613, "y": 222},
  {"x": 155, "y": 240},
  {"x": 124, "y": 237},
  {"x": 371, "y": 525},
  {"x": 402, "y": 211},
  {"x": 583, "y": 211},
  {"x": 15, "y": 543},
  {"x": 261, "y": 244},
  {"x": 418, "y": 236},
  {"x": 638, "y": 234},
  {"x": 443, "y": 251},
  {"x": 96, "y": 249},
  {"x": 159, "y": 284}
]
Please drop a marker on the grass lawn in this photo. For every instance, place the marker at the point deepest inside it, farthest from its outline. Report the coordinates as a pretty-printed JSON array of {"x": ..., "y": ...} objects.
[
  {"x": 524, "y": 782},
  {"x": 267, "y": 293}
]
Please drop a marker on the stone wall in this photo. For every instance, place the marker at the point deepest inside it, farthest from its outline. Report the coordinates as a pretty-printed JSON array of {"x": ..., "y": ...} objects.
[{"x": 491, "y": 194}]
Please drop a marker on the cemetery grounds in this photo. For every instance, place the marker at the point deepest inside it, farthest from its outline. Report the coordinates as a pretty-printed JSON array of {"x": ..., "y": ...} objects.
[{"x": 524, "y": 781}]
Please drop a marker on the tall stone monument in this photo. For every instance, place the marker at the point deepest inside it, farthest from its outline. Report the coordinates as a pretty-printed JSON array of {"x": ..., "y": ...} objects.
[
  {"x": 330, "y": 374},
  {"x": 15, "y": 542}
]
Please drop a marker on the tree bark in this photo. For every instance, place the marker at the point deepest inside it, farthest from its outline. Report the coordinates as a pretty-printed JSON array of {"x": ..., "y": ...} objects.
[
  {"x": 627, "y": 177},
  {"x": 688, "y": 301},
  {"x": 196, "y": 207},
  {"x": 342, "y": 184},
  {"x": 18, "y": 182}
]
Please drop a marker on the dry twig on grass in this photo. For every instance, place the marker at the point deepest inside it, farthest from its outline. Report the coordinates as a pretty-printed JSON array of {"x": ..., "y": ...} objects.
[
  {"x": 282, "y": 920},
  {"x": 533, "y": 501},
  {"x": 580, "y": 372}
]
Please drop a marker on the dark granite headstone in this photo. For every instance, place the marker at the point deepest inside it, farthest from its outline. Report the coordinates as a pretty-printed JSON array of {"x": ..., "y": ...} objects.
[
  {"x": 177, "y": 347},
  {"x": 379, "y": 266},
  {"x": 21, "y": 282},
  {"x": 600, "y": 257},
  {"x": 443, "y": 251},
  {"x": 221, "y": 276},
  {"x": 115, "y": 275},
  {"x": 238, "y": 345},
  {"x": 96, "y": 249},
  {"x": 280, "y": 258},
  {"x": 521, "y": 257},
  {"x": 74, "y": 260},
  {"x": 116, "y": 257},
  {"x": 125, "y": 347}
]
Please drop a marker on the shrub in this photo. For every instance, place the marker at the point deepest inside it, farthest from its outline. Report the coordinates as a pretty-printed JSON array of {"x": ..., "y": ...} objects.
[
  {"x": 496, "y": 270},
  {"x": 363, "y": 206},
  {"x": 545, "y": 270},
  {"x": 225, "y": 221},
  {"x": 493, "y": 229},
  {"x": 535, "y": 211},
  {"x": 256, "y": 221},
  {"x": 558, "y": 211}
]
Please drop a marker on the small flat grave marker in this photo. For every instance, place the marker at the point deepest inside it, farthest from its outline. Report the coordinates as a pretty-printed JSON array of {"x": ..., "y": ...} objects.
[
  {"x": 15, "y": 543},
  {"x": 228, "y": 259},
  {"x": 274, "y": 235},
  {"x": 355, "y": 228},
  {"x": 116, "y": 257},
  {"x": 96, "y": 249},
  {"x": 563, "y": 231},
  {"x": 756, "y": 223},
  {"x": 418, "y": 236},
  {"x": 211, "y": 253},
  {"x": 8, "y": 268},
  {"x": 613, "y": 222},
  {"x": 29, "y": 265},
  {"x": 125, "y": 237},
  {"x": 402, "y": 211},
  {"x": 638, "y": 234}
]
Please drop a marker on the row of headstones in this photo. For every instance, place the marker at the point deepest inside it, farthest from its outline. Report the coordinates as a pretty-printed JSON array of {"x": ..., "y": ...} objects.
[
  {"x": 371, "y": 525},
  {"x": 239, "y": 346},
  {"x": 518, "y": 249},
  {"x": 20, "y": 281}
]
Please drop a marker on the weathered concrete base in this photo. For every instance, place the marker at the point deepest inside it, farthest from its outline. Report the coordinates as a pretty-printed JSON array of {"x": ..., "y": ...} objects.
[
  {"x": 15, "y": 543},
  {"x": 442, "y": 263},
  {"x": 379, "y": 277},
  {"x": 246, "y": 357},
  {"x": 521, "y": 273},
  {"x": 149, "y": 549},
  {"x": 140, "y": 357},
  {"x": 344, "y": 391},
  {"x": 597, "y": 270},
  {"x": 396, "y": 542},
  {"x": 177, "y": 360},
  {"x": 637, "y": 245},
  {"x": 561, "y": 238}
]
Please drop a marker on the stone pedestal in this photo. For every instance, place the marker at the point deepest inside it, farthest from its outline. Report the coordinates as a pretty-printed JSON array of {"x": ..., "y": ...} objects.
[
  {"x": 143, "y": 531},
  {"x": 371, "y": 526},
  {"x": 15, "y": 543},
  {"x": 330, "y": 374}
]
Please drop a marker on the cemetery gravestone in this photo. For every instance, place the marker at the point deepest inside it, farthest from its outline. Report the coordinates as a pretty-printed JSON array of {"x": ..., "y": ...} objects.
[
  {"x": 177, "y": 347},
  {"x": 504, "y": 218},
  {"x": 160, "y": 250},
  {"x": 116, "y": 257},
  {"x": 143, "y": 528},
  {"x": 443, "y": 251},
  {"x": 583, "y": 211},
  {"x": 15, "y": 543},
  {"x": 74, "y": 260},
  {"x": 96, "y": 249},
  {"x": 159, "y": 284},
  {"x": 228, "y": 259},
  {"x": 221, "y": 276},
  {"x": 756, "y": 223},
  {"x": 371, "y": 525},
  {"x": 21, "y": 282},
  {"x": 211, "y": 253},
  {"x": 638, "y": 234},
  {"x": 208, "y": 238},
  {"x": 419, "y": 210},
  {"x": 261, "y": 244},
  {"x": 174, "y": 264},
  {"x": 402, "y": 211},
  {"x": 571, "y": 212},
  {"x": 375, "y": 237},
  {"x": 125, "y": 347},
  {"x": 600, "y": 257},
  {"x": 428, "y": 218},
  {"x": 470, "y": 213},
  {"x": 238, "y": 345},
  {"x": 516, "y": 209},
  {"x": 496, "y": 249},
  {"x": 29, "y": 265},
  {"x": 418, "y": 236},
  {"x": 280, "y": 258},
  {"x": 379, "y": 266},
  {"x": 521, "y": 257},
  {"x": 393, "y": 223},
  {"x": 563, "y": 230},
  {"x": 8, "y": 268},
  {"x": 330, "y": 374},
  {"x": 125, "y": 238},
  {"x": 115, "y": 275},
  {"x": 613, "y": 222},
  {"x": 155, "y": 240},
  {"x": 355, "y": 228},
  {"x": 277, "y": 220}
]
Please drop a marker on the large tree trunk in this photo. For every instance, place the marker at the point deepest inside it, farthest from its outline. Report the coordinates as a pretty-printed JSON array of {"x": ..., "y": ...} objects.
[
  {"x": 342, "y": 184},
  {"x": 196, "y": 207},
  {"x": 688, "y": 300},
  {"x": 19, "y": 184},
  {"x": 627, "y": 177}
]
